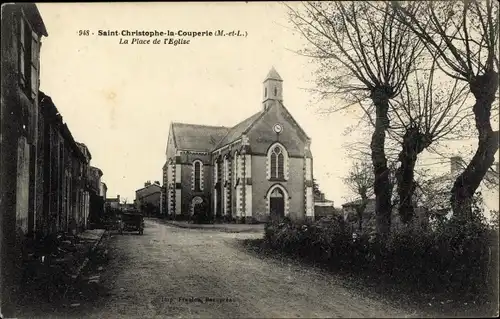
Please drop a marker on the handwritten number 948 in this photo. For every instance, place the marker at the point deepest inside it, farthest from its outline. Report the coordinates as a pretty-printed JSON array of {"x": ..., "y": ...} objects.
[{"x": 83, "y": 32}]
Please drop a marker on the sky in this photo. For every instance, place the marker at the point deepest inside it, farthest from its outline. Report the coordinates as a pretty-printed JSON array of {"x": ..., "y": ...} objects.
[{"x": 119, "y": 99}]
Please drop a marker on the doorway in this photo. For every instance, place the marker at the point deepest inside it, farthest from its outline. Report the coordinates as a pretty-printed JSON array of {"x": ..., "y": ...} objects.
[{"x": 277, "y": 203}]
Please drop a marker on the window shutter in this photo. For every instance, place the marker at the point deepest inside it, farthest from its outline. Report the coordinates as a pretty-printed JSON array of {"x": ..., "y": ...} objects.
[
  {"x": 34, "y": 65},
  {"x": 22, "y": 52}
]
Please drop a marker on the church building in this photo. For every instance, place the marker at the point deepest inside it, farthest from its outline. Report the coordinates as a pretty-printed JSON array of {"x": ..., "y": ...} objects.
[{"x": 262, "y": 166}]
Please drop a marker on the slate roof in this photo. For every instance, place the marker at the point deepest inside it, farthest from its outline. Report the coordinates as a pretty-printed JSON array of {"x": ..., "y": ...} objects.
[
  {"x": 155, "y": 185},
  {"x": 197, "y": 137},
  {"x": 273, "y": 75},
  {"x": 235, "y": 132},
  {"x": 209, "y": 138}
]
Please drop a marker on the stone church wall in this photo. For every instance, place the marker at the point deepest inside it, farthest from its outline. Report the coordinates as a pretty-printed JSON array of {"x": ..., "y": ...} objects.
[
  {"x": 186, "y": 177},
  {"x": 294, "y": 187}
]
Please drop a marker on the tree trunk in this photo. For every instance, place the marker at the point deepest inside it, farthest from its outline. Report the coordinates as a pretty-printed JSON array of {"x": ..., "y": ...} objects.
[
  {"x": 414, "y": 142},
  {"x": 382, "y": 187},
  {"x": 484, "y": 88}
]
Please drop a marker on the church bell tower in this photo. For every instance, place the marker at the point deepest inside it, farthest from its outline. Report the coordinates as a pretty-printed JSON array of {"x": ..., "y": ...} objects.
[{"x": 273, "y": 89}]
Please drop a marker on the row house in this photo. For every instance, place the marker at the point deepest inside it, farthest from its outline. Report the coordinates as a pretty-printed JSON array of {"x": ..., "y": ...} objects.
[
  {"x": 22, "y": 31},
  {"x": 113, "y": 202},
  {"x": 63, "y": 176},
  {"x": 44, "y": 172},
  {"x": 85, "y": 177},
  {"x": 148, "y": 198},
  {"x": 96, "y": 199},
  {"x": 103, "y": 190}
]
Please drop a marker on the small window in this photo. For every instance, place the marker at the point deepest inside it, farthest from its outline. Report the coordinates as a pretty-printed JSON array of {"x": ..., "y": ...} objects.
[
  {"x": 265, "y": 92},
  {"x": 275, "y": 91}
]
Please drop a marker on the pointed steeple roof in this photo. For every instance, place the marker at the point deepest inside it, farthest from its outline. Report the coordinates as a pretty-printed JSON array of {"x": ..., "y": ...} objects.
[{"x": 273, "y": 75}]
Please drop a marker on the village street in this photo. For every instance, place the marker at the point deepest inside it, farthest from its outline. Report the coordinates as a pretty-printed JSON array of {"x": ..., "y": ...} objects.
[{"x": 164, "y": 271}]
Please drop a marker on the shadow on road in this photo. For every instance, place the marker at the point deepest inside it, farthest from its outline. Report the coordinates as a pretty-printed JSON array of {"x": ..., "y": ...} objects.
[
  {"x": 39, "y": 299},
  {"x": 379, "y": 287}
]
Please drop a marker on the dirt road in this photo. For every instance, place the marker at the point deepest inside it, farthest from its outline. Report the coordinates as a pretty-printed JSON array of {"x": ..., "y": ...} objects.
[
  {"x": 185, "y": 273},
  {"x": 173, "y": 272}
]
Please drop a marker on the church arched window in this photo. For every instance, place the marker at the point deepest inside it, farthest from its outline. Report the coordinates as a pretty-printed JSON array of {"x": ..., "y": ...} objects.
[
  {"x": 226, "y": 168},
  {"x": 277, "y": 162},
  {"x": 197, "y": 175},
  {"x": 235, "y": 172}
]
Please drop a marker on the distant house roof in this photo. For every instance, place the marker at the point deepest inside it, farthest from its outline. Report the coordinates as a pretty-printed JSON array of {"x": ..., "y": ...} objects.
[
  {"x": 324, "y": 203},
  {"x": 84, "y": 149},
  {"x": 96, "y": 169},
  {"x": 151, "y": 185},
  {"x": 197, "y": 137},
  {"x": 357, "y": 202}
]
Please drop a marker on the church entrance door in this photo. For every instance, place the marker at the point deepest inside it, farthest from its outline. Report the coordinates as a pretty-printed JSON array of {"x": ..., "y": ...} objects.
[{"x": 277, "y": 203}]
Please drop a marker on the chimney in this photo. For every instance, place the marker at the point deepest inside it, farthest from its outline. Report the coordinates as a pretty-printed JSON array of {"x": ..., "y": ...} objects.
[
  {"x": 455, "y": 165},
  {"x": 118, "y": 198}
]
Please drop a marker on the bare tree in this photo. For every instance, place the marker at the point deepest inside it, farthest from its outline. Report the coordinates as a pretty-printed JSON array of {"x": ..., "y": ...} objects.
[
  {"x": 426, "y": 112},
  {"x": 360, "y": 181},
  {"x": 463, "y": 36},
  {"x": 363, "y": 52}
]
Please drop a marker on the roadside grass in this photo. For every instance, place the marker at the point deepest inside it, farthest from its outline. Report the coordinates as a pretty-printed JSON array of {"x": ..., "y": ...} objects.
[{"x": 386, "y": 288}]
